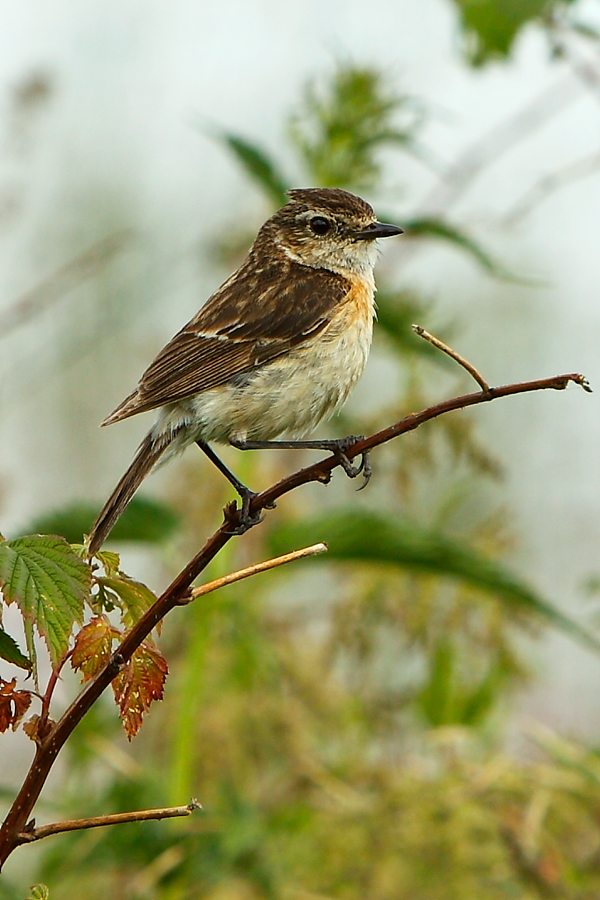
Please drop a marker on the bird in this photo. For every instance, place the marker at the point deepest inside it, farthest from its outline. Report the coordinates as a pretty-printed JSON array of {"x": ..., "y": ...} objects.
[{"x": 275, "y": 350}]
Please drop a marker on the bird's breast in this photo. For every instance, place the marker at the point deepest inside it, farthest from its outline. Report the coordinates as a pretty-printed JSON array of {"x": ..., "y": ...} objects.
[{"x": 294, "y": 392}]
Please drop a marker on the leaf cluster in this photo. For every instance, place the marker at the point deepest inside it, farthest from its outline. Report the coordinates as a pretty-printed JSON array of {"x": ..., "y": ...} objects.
[{"x": 53, "y": 586}]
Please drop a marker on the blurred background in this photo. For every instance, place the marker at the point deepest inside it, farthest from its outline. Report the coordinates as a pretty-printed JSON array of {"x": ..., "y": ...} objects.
[{"x": 416, "y": 716}]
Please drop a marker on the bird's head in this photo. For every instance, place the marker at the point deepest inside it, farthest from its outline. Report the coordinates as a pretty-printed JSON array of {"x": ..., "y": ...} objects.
[{"x": 325, "y": 228}]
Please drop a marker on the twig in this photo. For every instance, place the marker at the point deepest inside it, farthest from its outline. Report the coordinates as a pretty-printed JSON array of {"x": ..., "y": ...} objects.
[
  {"x": 140, "y": 815},
  {"x": 49, "y": 748},
  {"x": 50, "y": 688},
  {"x": 432, "y": 339},
  {"x": 257, "y": 568}
]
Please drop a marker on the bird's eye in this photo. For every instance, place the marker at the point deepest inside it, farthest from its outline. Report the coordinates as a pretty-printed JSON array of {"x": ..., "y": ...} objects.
[{"x": 319, "y": 225}]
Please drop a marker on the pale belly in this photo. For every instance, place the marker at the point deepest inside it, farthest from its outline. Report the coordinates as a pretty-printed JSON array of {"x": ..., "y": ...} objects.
[{"x": 289, "y": 395}]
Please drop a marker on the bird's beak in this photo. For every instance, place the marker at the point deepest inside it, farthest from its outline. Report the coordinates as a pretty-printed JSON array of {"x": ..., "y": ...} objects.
[{"x": 377, "y": 230}]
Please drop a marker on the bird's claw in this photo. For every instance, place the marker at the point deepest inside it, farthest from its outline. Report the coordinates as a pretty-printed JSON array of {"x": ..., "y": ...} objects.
[
  {"x": 340, "y": 449},
  {"x": 241, "y": 520}
]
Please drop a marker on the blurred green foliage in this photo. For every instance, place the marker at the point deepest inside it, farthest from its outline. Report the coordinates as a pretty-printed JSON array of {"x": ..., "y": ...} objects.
[
  {"x": 144, "y": 521},
  {"x": 491, "y": 26},
  {"x": 341, "y": 126},
  {"x": 343, "y": 724}
]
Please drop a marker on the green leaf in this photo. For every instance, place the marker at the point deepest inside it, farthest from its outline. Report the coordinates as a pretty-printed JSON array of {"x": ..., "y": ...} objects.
[
  {"x": 492, "y": 25},
  {"x": 49, "y": 583},
  {"x": 111, "y": 562},
  {"x": 39, "y": 892},
  {"x": 361, "y": 536},
  {"x": 258, "y": 166},
  {"x": 435, "y": 700},
  {"x": 449, "y": 699},
  {"x": 438, "y": 228},
  {"x": 135, "y": 597},
  {"x": 9, "y": 651},
  {"x": 144, "y": 521}
]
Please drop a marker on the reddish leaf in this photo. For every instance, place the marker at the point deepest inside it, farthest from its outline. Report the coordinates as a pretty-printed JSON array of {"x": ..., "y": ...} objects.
[
  {"x": 13, "y": 704},
  {"x": 139, "y": 683},
  {"x": 93, "y": 646},
  {"x": 37, "y": 728}
]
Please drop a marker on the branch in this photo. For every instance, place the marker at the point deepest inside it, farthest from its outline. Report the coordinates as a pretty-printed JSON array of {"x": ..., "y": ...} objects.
[
  {"x": 432, "y": 339},
  {"x": 140, "y": 815},
  {"x": 179, "y": 591},
  {"x": 257, "y": 568}
]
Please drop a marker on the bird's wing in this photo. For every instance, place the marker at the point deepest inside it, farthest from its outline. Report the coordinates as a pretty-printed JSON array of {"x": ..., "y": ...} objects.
[{"x": 254, "y": 317}]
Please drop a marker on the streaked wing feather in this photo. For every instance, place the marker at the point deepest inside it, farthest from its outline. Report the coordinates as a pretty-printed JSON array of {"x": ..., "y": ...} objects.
[{"x": 257, "y": 315}]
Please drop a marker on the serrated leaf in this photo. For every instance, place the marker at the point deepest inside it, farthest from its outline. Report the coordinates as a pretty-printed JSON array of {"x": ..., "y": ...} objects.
[
  {"x": 9, "y": 651},
  {"x": 257, "y": 164},
  {"x": 135, "y": 597},
  {"x": 13, "y": 704},
  {"x": 49, "y": 584},
  {"x": 138, "y": 684},
  {"x": 37, "y": 728},
  {"x": 144, "y": 520},
  {"x": 93, "y": 646},
  {"x": 360, "y": 536},
  {"x": 39, "y": 892},
  {"x": 110, "y": 561}
]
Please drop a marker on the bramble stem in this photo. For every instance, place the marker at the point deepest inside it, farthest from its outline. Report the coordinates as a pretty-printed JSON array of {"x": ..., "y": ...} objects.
[{"x": 179, "y": 591}]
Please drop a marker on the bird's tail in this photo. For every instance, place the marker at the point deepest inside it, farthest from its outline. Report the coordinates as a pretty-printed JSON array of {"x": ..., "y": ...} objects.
[{"x": 149, "y": 452}]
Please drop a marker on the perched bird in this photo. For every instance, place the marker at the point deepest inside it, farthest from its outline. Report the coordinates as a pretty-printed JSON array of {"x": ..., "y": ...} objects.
[{"x": 275, "y": 350}]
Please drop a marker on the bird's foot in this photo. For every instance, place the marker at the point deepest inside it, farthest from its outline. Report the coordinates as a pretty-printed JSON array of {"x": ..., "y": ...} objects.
[
  {"x": 340, "y": 449},
  {"x": 240, "y": 518}
]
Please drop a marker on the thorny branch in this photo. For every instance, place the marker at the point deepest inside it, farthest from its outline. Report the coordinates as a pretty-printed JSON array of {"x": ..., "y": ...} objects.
[{"x": 179, "y": 591}]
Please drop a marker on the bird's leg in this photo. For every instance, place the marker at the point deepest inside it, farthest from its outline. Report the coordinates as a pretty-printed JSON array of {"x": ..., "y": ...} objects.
[
  {"x": 338, "y": 447},
  {"x": 246, "y": 494}
]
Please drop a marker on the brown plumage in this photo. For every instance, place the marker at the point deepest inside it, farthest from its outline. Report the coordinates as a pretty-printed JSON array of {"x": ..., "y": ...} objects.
[
  {"x": 275, "y": 349},
  {"x": 233, "y": 334}
]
